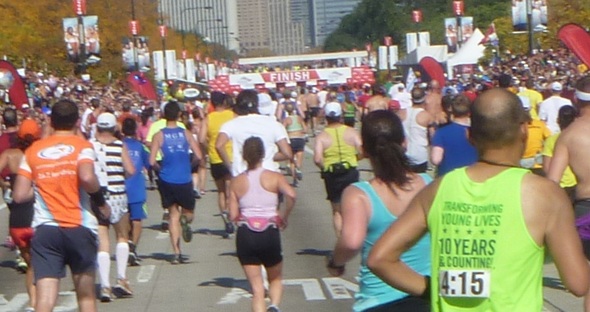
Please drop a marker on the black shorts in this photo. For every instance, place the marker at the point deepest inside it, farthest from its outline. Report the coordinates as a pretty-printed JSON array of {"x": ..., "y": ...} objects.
[
  {"x": 336, "y": 183},
  {"x": 256, "y": 248},
  {"x": 55, "y": 247},
  {"x": 179, "y": 194},
  {"x": 297, "y": 144},
  {"x": 194, "y": 164},
  {"x": 219, "y": 171},
  {"x": 314, "y": 111}
]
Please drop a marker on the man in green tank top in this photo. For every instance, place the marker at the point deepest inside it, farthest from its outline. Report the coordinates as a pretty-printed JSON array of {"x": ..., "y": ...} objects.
[{"x": 489, "y": 224}]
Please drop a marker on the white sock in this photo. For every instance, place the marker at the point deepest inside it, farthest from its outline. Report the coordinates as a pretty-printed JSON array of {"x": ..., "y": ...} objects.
[
  {"x": 122, "y": 256},
  {"x": 104, "y": 267}
]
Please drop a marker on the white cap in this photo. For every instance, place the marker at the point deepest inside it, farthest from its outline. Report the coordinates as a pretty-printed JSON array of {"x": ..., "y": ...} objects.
[
  {"x": 526, "y": 102},
  {"x": 293, "y": 94},
  {"x": 556, "y": 86},
  {"x": 333, "y": 109},
  {"x": 106, "y": 120},
  {"x": 265, "y": 104}
]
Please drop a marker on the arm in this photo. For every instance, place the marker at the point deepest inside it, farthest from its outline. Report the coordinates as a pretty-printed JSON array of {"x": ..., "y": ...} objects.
[
  {"x": 358, "y": 144},
  {"x": 155, "y": 148},
  {"x": 436, "y": 154},
  {"x": 223, "y": 139},
  {"x": 194, "y": 146},
  {"x": 285, "y": 152},
  {"x": 234, "y": 210},
  {"x": 290, "y": 197},
  {"x": 547, "y": 163},
  {"x": 203, "y": 131},
  {"x": 355, "y": 218},
  {"x": 3, "y": 164},
  {"x": 384, "y": 258},
  {"x": 559, "y": 161},
  {"x": 318, "y": 152},
  {"x": 127, "y": 163}
]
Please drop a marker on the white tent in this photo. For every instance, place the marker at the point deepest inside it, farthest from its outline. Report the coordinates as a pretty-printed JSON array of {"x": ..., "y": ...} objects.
[
  {"x": 437, "y": 52},
  {"x": 470, "y": 52}
]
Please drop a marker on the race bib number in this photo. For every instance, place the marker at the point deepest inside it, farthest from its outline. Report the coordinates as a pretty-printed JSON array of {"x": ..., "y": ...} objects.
[{"x": 464, "y": 283}]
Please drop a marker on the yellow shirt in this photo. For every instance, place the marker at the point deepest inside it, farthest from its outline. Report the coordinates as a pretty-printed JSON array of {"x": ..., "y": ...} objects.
[
  {"x": 535, "y": 98},
  {"x": 155, "y": 128},
  {"x": 214, "y": 122},
  {"x": 568, "y": 179},
  {"x": 538, "y": 133},
  {"x": 339, "y": 151}
]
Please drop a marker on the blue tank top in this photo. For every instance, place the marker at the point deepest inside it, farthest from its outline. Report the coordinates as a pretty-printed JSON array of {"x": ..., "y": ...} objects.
[
  {"x": 176, "y": 164},
  {"x": 373, "y": 291}
]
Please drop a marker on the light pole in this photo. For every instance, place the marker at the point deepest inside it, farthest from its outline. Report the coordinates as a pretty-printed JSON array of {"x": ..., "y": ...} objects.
[
  {"x": 134, "y": 27},
  {"x": 183, "y": 23},
  {"x": 80, "y": 9},
  {"x": 163, "y": 33},
  {"x": 458, "y": 10}
]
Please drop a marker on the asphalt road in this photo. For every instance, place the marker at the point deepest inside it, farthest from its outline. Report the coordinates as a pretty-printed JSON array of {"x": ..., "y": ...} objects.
[{"x": 213, "y": 280}]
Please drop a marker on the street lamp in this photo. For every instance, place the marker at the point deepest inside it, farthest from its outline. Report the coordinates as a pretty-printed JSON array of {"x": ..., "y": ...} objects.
[{"x": 183, "y": 22}]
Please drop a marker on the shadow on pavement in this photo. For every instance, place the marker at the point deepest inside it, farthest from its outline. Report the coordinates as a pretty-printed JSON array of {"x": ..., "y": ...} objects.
[
  {"x": 220, "y": 232},
  {"x": 552, "y": 282},
  {"x": 8, "y": 264},
  {"x": 228, "y": 282},
  {"x": 313, "y": 252},
  {"x": 157, "y": 256}
]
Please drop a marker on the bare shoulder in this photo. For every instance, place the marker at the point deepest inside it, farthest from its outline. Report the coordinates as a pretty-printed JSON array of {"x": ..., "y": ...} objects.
[{"x": 542, "y": 195}]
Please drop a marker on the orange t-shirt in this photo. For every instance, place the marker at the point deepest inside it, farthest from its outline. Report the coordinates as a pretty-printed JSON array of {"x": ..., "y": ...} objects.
[{"x": 52, "y": 164}]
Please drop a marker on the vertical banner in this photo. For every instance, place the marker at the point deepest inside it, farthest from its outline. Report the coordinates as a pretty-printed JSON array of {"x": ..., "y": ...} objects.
[
  {"x": 180, "y": 70},
  {"x": 158, "y": 57},
  {"x": 538, "y": 14},
  {"x": 466, "y": 27},
  {"x": 72, "y": 38},
  {"x": 171, "y": 64},
  {"x": 451, "y": 34},
  {"x": 411, "y": 42},
  {"x": 393, "y": 56},
  {"x": 141, "y": 48},
  {"x": 423, "y": 39},
  {"x": 382, "y": 56},
  {"x": 190, "y": 70}
]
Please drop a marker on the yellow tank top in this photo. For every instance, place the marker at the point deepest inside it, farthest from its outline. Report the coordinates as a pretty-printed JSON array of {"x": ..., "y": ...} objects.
[
  {"x": 215, "y": 121},
  {"x": 339, "y": 151}
]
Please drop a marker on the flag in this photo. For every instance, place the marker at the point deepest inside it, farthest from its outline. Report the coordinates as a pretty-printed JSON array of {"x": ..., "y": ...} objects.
[
  {"x": 433, "y": 69},
  {"x": 143, "y": 86},
  {"x": 490, "y": 36},
  {"x": 577, "y": 40},
  {"x": 16, "y": 92},
  {"x": 410, "y": 80}
]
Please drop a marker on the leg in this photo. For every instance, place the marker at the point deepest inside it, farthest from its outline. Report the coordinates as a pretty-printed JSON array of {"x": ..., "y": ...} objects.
[
  {"x": 122, "y": 249},
  {"x": 26, "y": 254},
  {"x": 275, "y": 281},
  {"x": 254, "y": 277},
  {"x": 174, "y": 228},
  {"x": 202, "y": 173},
  {"x": 84, "y": 284},
  {"x": 103, "y": 258},
  {"x": 337, "y": 218},
  {"x": 136, "y": 228},
  {"x": 47, "y": 290}
]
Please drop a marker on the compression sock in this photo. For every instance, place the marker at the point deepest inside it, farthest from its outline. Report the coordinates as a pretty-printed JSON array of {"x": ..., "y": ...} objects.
[
  {"x": 122, "y": 256},
  {"x": 104, "y": 268}
]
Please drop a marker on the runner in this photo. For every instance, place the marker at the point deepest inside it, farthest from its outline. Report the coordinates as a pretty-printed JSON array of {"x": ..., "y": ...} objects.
[
  {"x": 59, "y": 171},
  {"x": 496, "y": 265},
  {"x": 296, "y": 129},
  {"x": 253, "y": 205},
  {"x": 368, "y": 208},
  {"x": 176, "y": 187},
  {"x": 21, "y": 215},
  {"x": 336, "y": 152},
  {"x": 549, "y": 108},
  {"x": 111, "y": 165},
  {"x": 417, "y": 124},
  {"x": 135, "y": 185}
]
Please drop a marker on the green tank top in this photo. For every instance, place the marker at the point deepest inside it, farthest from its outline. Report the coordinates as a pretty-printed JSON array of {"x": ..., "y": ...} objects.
[
  {"x": 295, "y": 124},
  {"x": 349, "y": 110},
  {"x": 339, "y": 151},
  {"x": 483, "y": 256}
]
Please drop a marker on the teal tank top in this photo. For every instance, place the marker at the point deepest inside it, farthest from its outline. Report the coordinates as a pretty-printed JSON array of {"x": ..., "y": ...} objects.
[
  {"x": 295, "y": 124},
  {"x": 373, "y": 291}
]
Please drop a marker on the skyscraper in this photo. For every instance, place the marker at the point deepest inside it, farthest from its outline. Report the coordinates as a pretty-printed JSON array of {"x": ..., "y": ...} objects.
[{"x": 326, "y": 16}]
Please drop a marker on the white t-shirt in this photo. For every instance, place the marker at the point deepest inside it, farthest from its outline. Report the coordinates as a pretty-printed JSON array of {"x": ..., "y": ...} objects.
[
  {"x": 266, "y": 128},
  {"x": 322, "y": 98},
  {"x": 549, "y": 110},
  {"x": 85, "y": 115}
]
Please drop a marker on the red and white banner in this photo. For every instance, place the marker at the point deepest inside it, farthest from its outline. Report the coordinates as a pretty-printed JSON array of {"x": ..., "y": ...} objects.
[
  {"x": 163, "y": 30},
  {"x": 134, "y": 27},
  {"x": 458, "y": 8},
  {"x": 417, "y": 16},
  {"x": 79, "y": 7}
]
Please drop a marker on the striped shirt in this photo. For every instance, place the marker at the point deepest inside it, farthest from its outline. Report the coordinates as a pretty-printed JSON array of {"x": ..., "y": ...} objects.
[{"x": 108, "y": 166}]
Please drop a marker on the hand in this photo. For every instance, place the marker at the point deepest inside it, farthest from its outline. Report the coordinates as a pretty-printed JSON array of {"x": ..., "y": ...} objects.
[
  {"x": 333, "y": 269},
  {"x": 105, "y": 211},
  {"x": 281, "y": 222}
]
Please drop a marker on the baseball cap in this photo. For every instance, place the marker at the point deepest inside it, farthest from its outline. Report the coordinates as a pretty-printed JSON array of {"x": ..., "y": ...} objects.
[
  {"x": 333, "y": 109},
  {"x": 106, "y": 120},
  {"x": 265, "y": 104},
  {"x": 293, "y": 94},
  {"x": 556, "y": 86},
  {"x": 29, "y": 126}
]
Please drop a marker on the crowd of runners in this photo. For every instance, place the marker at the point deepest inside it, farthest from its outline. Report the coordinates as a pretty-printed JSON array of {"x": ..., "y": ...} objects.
[{"x": 81, "y": 157}]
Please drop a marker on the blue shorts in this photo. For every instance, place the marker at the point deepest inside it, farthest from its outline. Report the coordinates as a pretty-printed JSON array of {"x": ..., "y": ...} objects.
[
  {"x": 137, "y": 211},
  {"x": 55, "y": 247}
]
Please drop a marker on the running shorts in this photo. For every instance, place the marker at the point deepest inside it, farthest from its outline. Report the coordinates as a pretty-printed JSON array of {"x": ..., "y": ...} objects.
[
  {"x": 219, "y": 171},
  {"x": 297, "y": 144},
  {"x": 256, "y": 248},
  {"x": 137, "y": 211},
  {"x": 118, "y": 204},
  {"x": 314, "y": 111},
  {"x": 22, "y": 236},
  {"x": 335, "y": 183},
  {"x": 179, "y": 194}
]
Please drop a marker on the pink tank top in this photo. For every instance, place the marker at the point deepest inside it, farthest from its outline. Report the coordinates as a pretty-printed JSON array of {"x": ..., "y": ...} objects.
[{"x": 258, "y": 202}]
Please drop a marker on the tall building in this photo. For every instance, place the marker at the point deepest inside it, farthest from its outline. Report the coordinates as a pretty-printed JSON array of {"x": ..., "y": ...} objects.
[
  {"x": 301, "y": 13},
  {"x": 267, "y": 25},
  {"x": 215, "y": 20},
  {"x": 326, "y": 16}
]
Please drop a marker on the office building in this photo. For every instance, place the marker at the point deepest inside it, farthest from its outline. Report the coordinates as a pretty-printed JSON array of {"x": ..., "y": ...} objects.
[{"x": 326, "y": 16}]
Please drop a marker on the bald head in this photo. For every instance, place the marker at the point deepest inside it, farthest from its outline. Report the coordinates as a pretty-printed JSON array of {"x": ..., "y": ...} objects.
[
  {"x": 434, "y": 85},
  {"x": 496, "y": 116},
  {"x": 583, "y": 92}
]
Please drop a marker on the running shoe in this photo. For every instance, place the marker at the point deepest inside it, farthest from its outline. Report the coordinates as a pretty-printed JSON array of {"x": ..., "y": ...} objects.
[
  {"x": 187, "y": 232},
  {"x": 229, "y": 228},
  {"x": 165, "y": 218},
  {"x": 106, "y": 295},
  {"x": 298, "y": 174},
  {"x": 29, "y": 309},
  {"x": 197, "y": 193},
  {"x": 272, "y": 308},
  {"x": 21, "y": 265},
  {"x": 177, "y": 259},
  {"x": 122, "y": 289},
  {"x": 133, "y": 259}
]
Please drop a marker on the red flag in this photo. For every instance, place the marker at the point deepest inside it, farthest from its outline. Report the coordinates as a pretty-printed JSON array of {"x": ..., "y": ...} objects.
[
  {"x": 142, "y": 85},
  {"x": 17, "y": 92},
  {"x": 577, "y": 40},
  {"x": 433, "y": 69}
]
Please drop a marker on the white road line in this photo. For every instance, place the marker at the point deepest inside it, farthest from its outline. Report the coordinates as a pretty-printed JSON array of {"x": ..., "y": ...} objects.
[
  {"x": 145, "y": 273},
  {"x": 311, "y": 288},
  {"x": 308, "y": 150},
  {"x": 163, "y": 235},
  {"x": 16, "y": 303},
  {"x": 2, "y": 206},
  {"x": 339, "y": 288}
]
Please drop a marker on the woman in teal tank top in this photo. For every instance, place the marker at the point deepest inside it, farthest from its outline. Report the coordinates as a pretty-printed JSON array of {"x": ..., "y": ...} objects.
[{"x": 370, "y": 207}]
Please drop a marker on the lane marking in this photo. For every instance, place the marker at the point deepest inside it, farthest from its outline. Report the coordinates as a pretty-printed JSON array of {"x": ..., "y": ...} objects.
[
  {"x": 311, "y": 288},
  {"x": 17, "y": 302},
  {"x": 145, "y": 273},
  {"x": 338, "y": 287},
  {"x": 163, "y": 235},
  {"x": 2, "y": 206}
]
